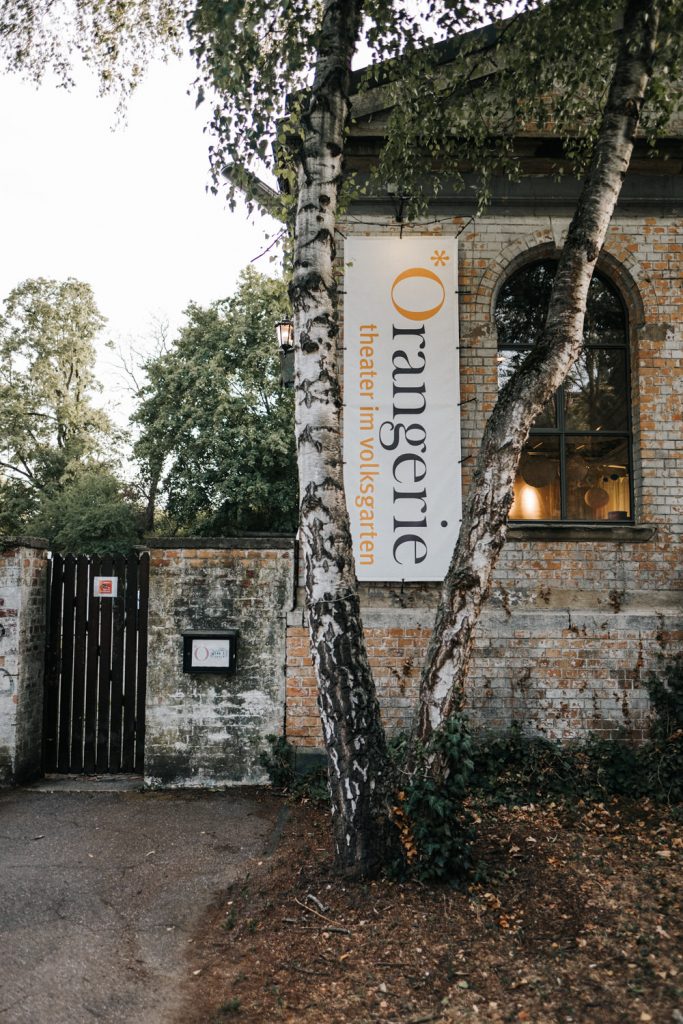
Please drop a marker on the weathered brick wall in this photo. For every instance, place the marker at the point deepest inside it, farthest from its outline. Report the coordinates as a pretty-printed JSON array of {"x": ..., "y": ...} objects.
[
  {"x": 560, "y": 674},
  {"x": 574, "y": 625},
  {"x": 208, "y": 730},
  {"x": 23, "y": 590}
]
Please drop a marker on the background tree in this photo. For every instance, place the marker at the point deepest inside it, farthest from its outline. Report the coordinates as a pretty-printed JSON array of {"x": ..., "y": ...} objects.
[
  {"x": 90, "y": 514},
  {"x": 216, "y": 427},
  {"x": 56, "y": 446}
]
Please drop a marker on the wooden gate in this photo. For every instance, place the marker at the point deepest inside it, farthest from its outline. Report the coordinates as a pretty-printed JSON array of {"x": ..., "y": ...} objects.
[{"x": 96, "y": 666}]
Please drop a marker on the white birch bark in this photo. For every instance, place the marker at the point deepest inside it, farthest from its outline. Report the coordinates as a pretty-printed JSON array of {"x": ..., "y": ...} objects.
[
  {"x": 484, "y": 524},
  {"x": 353, "y": 734}
]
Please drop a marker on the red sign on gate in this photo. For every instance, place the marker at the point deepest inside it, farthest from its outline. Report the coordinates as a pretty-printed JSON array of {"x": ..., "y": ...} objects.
[{"x": 105, "y": 586}]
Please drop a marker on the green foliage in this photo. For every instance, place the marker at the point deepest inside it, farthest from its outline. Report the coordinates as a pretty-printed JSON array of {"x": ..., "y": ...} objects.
[
  {"x": 456, "y": 769},
  {"x": 435, "y": 826},
  {"x": 666, "y": 700},
  {"x": 56, "y": 446},
  {"x": 216, "y": 427},
  {"x": 478, "y": 96},
  {"x": 663, "y": 755},
  {"x": 279, "y": 761},
  {"x": 115, "y": 39},
  {"x": 254, "y": 55},
  {"x": 457, "y": 86},
  {"x": 18, "y": 505},
  {"x": 88, "y": 515},
  {"x": 47, "y": 383},
  {"x": 439, "y": 783},
  {"x": 231, "y": 1007}
]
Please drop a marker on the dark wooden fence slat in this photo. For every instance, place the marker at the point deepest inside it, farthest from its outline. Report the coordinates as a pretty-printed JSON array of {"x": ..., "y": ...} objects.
[
  {"x": 117, "y": 656},
  {"x": 67, "y": 666},
  {"x": 96, "y": 665},
  {"x": 52, "y": 666},
  {"x": 104, "y": 675},
  {"x": 78, "y": 701},
  {"x": 129, "y": 693},
  {"x": 143, "y": 603},
  {"x": 90, "y": 739}
]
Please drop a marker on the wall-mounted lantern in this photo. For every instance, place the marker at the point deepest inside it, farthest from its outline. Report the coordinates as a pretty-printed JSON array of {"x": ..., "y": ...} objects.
[
  {"x": 284, "y": 329},
  {"x": 398, "y": 200}
]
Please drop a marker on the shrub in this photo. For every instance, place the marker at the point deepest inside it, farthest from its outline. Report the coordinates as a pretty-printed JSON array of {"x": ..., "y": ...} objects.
[
  {"x": 279, "y": 761},
  {"x": 662, "y": 757},
  {"x": 435, "y": 826}
]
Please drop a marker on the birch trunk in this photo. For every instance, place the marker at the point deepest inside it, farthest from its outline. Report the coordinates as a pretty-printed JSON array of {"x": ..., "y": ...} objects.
[
  {"x": 353, "y": 734},
  {"x": 484, "y": 524}
]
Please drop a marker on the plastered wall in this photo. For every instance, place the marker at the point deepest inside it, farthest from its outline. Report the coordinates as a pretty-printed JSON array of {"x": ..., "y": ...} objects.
[
  {"x": 208, "y": 730},
  {"x": 23, "y": 590}
]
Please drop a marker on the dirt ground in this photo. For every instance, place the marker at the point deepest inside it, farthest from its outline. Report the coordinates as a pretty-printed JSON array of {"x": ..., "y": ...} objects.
[{"x": 579, "y": 920}]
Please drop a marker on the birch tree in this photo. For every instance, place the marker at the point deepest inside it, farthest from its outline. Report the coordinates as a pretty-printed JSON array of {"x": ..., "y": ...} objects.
[
  {"x": 313, "y": 139},
  {"x": 593, "y": 93}
]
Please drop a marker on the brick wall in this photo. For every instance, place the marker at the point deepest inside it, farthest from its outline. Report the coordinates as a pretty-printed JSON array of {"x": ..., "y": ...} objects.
[
  {"x": 23, "y": 589},
  {"x": 573, "y": 625},
  {"x": 208, "y": 730}
]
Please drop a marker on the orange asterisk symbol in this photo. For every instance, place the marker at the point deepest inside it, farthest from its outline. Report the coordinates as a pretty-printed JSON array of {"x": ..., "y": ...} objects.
[{"x": 440, "y": 259}]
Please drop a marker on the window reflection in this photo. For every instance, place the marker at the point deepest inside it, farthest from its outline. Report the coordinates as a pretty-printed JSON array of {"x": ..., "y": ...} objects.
[
  {"x": 576, "y": 463},
  {"x": 508, "y": 362},
  {"x": 595, "y": 391}
]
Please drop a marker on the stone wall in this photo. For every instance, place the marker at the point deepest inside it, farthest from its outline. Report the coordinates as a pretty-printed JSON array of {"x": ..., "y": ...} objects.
[
  {"x": 578, "y": 616},
  {"x": 23, "y": 595},
  {"x": 208, "y": 730}
]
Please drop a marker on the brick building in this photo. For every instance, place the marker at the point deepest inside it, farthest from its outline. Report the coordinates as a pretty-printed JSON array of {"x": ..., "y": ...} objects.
[{"x": 588, "y": 594}]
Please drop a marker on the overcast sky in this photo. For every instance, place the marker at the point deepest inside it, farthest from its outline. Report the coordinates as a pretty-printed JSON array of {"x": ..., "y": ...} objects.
[{"x": 126, "y": 209}]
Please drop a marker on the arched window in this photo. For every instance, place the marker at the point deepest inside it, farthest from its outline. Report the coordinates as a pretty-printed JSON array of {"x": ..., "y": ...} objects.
[{"x": 576, "y": 465}]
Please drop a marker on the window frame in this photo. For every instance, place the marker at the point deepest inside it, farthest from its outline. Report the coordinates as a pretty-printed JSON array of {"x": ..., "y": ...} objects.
[{"x": 560, "y": 430}]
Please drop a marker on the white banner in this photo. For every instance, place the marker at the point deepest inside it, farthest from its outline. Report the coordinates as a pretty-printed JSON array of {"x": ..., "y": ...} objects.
[{"x": 401, "y": 405}]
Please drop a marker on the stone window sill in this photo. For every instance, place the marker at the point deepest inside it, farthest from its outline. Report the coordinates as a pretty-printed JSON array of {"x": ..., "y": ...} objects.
[{"x": 613, "y": 533}]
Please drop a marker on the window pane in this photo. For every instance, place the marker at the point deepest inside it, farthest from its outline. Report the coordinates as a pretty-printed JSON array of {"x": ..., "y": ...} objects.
[
  {"x": 537, "y": 487},
  {"x": 508, "y": 361},
  {"x": 605, "y": 322},
  {"x": 598, "y": 483},
  {"x": 522, "y": 304},
  {"x": 595, "y": 391}
]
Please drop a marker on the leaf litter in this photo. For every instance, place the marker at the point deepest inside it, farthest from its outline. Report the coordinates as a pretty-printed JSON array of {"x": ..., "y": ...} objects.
[{"x": 578, "y": 918}]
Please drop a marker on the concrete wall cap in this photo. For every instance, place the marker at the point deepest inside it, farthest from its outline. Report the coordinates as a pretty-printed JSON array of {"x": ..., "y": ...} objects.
[
  {"x": 24, "y": 542},
  {"x": 256, "y": 541}
]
